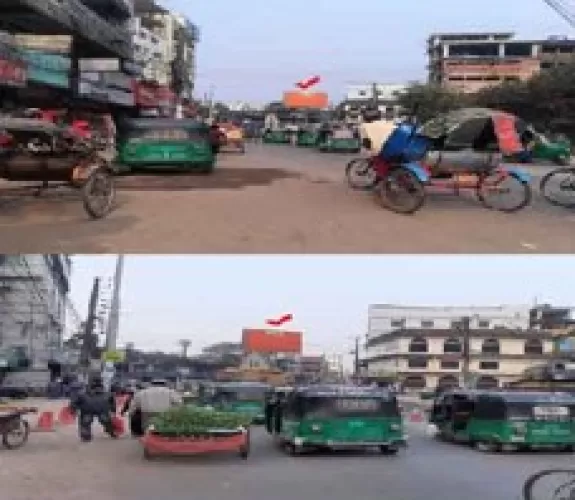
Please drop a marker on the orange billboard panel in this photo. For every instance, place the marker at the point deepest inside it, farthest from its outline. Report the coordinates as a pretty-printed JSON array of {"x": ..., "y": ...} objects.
[
  {"x": 306, "y": 100},
  {"x": 271, "y": 341}
]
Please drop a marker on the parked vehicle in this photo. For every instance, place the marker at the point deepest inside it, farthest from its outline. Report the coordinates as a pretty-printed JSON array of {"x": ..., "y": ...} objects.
[
  {"x": 541, "y": 147},
  {"x": 456, "y": 152},
  {"x": 340, "y": 140},
  {"x": 234, "y": 137},
  {"x": 277, "y": 137},
  {"x": 162, "y": 143},
  {"x": 334, "y": 417},
  {"x": 41, "y": 152},
  {"x": 307, "y": 138},
  {"x": 14, "y": 429},
  {"x": 506, "y": 420},
  {"x": 239, "y": 397}
]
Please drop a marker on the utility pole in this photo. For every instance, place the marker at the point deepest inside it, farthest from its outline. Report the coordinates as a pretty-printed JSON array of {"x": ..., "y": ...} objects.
[
  {"x": 375, "y": 95},
  {"x": 356, "y": 357},
  {"x": 87, "y": 340},
  {"x": 465, "y": 327}
]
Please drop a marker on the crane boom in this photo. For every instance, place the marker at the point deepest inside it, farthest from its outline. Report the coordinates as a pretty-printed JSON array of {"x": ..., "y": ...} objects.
[{"x": 562, "y": 8}]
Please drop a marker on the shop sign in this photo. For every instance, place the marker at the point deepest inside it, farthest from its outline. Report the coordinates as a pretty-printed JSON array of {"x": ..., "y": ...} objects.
[
  {"x": 99, "y": 65},
  {"x": 48, "y": 77},
  {"x": 45, "y": 61},
  {"x": 61, "y": 44},
  {"x": 13, "y": 73},
  {"x": 132, "y": 68},
  {"x": 118, "y": 80}
]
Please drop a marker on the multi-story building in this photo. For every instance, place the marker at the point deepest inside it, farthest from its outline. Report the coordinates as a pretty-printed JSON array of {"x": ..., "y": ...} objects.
[
  {"x": 423, "y": 347},
  {"x": 469, "y": 62},
  {"x": 33, "y": 298},
  {"x": 170, "y": 40},
  {"x": 360, "y": 96}
]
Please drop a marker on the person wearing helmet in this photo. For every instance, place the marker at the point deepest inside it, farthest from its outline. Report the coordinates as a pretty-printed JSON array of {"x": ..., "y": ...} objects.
[
  {"x": 95, "y": 402},
  {"x": 374, "y": 131}
]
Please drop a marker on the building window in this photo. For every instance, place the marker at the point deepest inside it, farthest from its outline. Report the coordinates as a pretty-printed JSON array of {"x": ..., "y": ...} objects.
[
  {"x": 456, "y": 324},
  {"x": 483, "y": 323},
  {"x": 414, "y": 382},
  {"x": 533, "y": 346},
  {"x": 452, "y": 345},
  {"x": 450, "y": 365},
  {"x": 417, "y": 363},
  {"x": 486, "y": 383},
  {"x": 398, "y": 323},
  {"x": 418, "y": 344},
  {"x": 427, "y": 323},
  {"x": 489, "y": 365},
  {"x": 490, "y": 346},
  {"x": 448, "y": 381}
]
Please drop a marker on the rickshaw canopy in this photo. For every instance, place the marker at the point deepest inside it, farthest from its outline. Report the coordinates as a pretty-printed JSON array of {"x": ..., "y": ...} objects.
[{"x": 476, "y": 128}]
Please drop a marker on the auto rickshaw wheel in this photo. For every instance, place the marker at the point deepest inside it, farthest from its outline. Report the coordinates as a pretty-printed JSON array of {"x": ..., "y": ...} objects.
[
  {"x": 388, "y": 450},
  {"x": 293, "y": 449},
  {"x": 563, "y": 161},
  {"x": 99, "y": 193}
]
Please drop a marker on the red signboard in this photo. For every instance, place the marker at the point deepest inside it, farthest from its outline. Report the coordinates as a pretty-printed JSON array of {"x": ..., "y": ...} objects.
[
  {"x": 153, "y": 96},
  {"x": 13, "y": 73},
  {"x": 271, "y": 341}
]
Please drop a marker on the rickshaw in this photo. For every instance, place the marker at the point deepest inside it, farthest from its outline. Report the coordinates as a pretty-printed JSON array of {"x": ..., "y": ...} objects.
[
  {"x": 239, "y": 397},
  {"x": 340, "y": 140},
  {"x": 497, "y": 421},
  {"x": 335, "y": 417},
  {"x": 37, "y": 151},
  {"x": 307, "y": 138},
  {"x": 458, "y": 151},
  {"x": 164, "y": 143},
  {"x": 279, "y": 136},
  {"x": 234, "y": 137}
]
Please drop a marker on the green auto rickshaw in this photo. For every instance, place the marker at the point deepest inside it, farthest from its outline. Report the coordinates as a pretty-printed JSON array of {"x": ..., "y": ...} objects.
[
  {"x": 238, "y": 397},
  {"x": 277, "y": 137},
  {"x": 335, "y": 417},
  {"x": 307, "y": 138},
  {"x": 160, "y": 143},
  {"x": 340, "y": 140},
  {"x": 506, "y": 420}
]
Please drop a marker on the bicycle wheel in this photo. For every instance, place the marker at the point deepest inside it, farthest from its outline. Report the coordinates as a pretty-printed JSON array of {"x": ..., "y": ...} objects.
[
  {"x": 360, "y": 174},
  {"x": 551, "y": 484},
  {"x": 504, "y": 191},
  {"x": 558, "y": 187}
]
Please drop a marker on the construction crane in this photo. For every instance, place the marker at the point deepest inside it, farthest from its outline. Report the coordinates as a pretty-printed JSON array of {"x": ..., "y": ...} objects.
[{"x": 564, "y": 8}]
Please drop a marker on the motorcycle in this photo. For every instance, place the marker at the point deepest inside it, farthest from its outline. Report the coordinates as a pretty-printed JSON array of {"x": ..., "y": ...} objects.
[{"x": 14, "y": 429}]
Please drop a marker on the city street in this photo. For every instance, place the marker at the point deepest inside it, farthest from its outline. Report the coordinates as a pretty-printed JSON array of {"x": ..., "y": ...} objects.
[
  {"x": 57, "y": 466},
  {"x": 275, "y": 200}
]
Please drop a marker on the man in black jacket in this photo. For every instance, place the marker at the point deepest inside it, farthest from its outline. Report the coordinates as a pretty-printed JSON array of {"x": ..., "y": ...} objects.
[{"x": 95, "y": 402}]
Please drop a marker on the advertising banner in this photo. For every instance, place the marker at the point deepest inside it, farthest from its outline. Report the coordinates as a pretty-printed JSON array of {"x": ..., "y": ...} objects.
[
  {"x": 57, "y": 44},
  {"x": 99, "y": 65},
  {"x": 263, "y": 341},
  {"x": 48, "y": 69},
  {"x": 306, "y": 100}
]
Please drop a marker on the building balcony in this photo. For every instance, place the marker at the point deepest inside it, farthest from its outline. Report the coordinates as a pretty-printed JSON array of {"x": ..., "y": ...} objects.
[
  {"x": 117, "y": 9},
  {"x": 95, "y": 36}
]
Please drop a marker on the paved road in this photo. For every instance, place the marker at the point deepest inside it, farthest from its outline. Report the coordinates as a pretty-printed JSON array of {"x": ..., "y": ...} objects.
[
  {"x": 57, "y": 466},
  {"x": 275, "y": 200}
]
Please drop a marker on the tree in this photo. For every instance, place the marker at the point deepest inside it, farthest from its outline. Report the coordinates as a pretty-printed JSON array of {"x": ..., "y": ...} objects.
[{"x": 426, "y": 101}]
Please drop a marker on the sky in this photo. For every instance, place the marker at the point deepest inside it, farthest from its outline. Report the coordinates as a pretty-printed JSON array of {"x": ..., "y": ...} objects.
[
  {"x": 253, "y": 50},
  {"x": 210, "y": 299}
]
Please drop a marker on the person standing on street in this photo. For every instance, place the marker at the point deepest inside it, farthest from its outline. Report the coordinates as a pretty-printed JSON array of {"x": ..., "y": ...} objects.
[
  {"x": 95, "y": 402},
  {"x": 154, "y": 400}
]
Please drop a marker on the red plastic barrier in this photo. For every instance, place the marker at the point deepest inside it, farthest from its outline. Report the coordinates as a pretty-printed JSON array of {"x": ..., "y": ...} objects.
[
  {"x": 119, "y": 425},
  {"x": 66, "y": 416},
  {"x": 193, "y": 446}
]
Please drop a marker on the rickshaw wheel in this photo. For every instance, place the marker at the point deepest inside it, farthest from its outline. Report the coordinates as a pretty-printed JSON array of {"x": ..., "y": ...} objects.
[
  {"x": 568, "y": 184},
  {"x": 401, "y": 191},
  {"x": 17, "y": 437},
  {"x": 483, "y": 188},
  {"x": 99, "y": 193},
  {"x": 360, "y": 174}
]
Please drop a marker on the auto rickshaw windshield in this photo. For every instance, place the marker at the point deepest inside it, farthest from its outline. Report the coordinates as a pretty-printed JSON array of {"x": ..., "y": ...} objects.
[{"x": 322, "y": 407}]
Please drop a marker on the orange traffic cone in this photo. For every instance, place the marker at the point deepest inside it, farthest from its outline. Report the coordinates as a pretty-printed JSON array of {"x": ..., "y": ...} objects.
[
  {"x": 66, "y": 416},
  {"x": 46, "y": 422}
]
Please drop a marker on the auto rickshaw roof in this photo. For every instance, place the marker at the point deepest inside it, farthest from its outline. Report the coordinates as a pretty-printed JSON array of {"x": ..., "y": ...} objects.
[
  {"x": 162, "y": 123},
  {"x": 534, "y": 397},
  {"x": 338, "y": 391}
]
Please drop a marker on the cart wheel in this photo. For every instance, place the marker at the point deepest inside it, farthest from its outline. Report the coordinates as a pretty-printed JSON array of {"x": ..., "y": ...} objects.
[
  {"x": 401, "y": 191},
  {"x": 17, "y": 437},
  {"x": 99, "y": 193}
]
